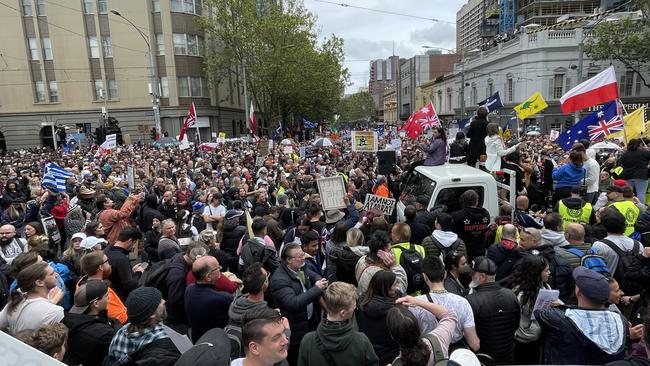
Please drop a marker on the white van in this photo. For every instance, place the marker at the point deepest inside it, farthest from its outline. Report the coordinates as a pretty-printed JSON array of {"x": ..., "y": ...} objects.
[{"x": 445, "y": 183}]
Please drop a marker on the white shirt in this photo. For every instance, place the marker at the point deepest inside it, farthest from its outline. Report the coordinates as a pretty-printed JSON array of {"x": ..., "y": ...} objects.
[
  {"x": 214, "y": 211},
  {"x": 592, "y": 176},
  {"x": 460, "y": 306},
  {"x": 11, "y": 250},
  {"x": 611, "y": 258},
  {"x": 30, "y": 314}
]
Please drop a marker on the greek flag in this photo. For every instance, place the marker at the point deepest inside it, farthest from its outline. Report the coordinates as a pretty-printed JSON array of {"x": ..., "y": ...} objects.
[
  {"x": 55, "y": 177},
  {"x": 309, "y": 124}
]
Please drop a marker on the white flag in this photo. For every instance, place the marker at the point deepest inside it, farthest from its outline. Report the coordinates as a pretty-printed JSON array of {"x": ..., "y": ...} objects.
[{"x": 110, "y": 142}]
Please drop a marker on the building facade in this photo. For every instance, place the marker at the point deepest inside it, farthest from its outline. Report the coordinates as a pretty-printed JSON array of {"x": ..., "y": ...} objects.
[
  {"x": 390, "y": 105},
  {"x": 382, "y": 74},
  {"x": 74, "y": 64},
  {"x": 546, "y": 61},
  {"x": 547, "y": 12},
  {"x": 476, "y": 21}
]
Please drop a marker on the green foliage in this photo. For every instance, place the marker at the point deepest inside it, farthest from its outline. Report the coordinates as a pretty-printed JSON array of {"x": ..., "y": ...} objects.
[
  {"x": 357, "y": 107},
  {"x": 627, "y": 41},
  {"x": 290, "y": 75}
]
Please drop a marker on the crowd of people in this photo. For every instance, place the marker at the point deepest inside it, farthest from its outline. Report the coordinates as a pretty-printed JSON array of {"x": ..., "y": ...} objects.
[{"x": 152, "y": 256}]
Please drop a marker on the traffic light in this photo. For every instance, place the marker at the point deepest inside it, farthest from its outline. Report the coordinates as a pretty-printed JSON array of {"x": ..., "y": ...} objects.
[
  {"x": 568, "y": 123},
  {"x": 152, "y": 133}
]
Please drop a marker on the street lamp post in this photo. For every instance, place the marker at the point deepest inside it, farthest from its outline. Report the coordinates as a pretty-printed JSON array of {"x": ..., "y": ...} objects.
[{"x": 153, "y": 74}]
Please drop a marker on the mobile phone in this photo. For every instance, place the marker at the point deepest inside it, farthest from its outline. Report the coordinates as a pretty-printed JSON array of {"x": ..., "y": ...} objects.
[{"x": 144, "y": 265}]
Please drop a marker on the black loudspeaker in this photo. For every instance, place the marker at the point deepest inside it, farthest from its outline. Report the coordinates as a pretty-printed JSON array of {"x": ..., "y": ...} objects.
[{"x": 386, "y": 161}]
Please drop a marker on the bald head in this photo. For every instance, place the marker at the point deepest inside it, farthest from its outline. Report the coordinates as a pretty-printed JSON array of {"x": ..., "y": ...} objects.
[
  {"x": 509, "y": 232},
  {"x": 7, "y": 234},
  {"x": 522, "y": 203},
  {"x": 575, "y": 233},
  {"x": 206, "y": 269},
  {"x": 530, "y": 238}
]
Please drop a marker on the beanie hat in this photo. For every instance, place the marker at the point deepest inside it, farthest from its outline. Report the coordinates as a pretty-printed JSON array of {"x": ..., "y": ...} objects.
[{"x": 142, "y": 303}]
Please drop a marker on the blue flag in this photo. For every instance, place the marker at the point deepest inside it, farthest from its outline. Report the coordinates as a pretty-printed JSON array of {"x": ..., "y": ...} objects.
[
  {"x": 380, "y": 131},
  {"x": 464, "y": 122},
  {"x": 309, "y": 124},
  {"x": 492, "y": 103},
  {"x": 55, "y": 177},
  {"x": 605, "y": 121},
  {"x": 278, "y": 132}
]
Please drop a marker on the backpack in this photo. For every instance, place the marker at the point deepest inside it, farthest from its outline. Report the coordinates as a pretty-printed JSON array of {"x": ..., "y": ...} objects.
[
  {"x": 258, "y": 254},
  {"x": 346, "y": 263},
  {"x": 438, "y": 353},
  {"x": 445, "y": 250},
  {"x": 591, "y": 260},
  {"x": 411, "y": 261},
  {"x": 625, "y": 259},
  {"x": 234, "y": 335},
  {"x": 155, "y": 275}
]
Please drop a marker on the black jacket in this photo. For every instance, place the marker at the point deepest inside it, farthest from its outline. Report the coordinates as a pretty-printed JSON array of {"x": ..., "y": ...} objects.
[
  {"x": 148, "y": 212},
  {"x": 162, "y": 352},
  {"x": 168, "y": 211},
  {"x": 341, "y": 264},
  {"x": 476, "y": 133},
  {"x": 470, "y": 224},
  {"x": 123, "y": 279},
  {"x": 151, "y": 239},
  {"x": 253, "y": 251},
  {"x": 174, "y": 294},
  {"x": 496, "y": 314},
  {"x": 206, "y": 308},
  {"x": 565, "y": 344},
  {"x": 232, "y": 234},
  {"x": 499, "y": 254},
  {"x": 419, "y": 231},
  {"x": 371, "y": 319},
  {"x": 635, "y": 164},
  {"x": 289, "y": 297},
  {"x": 88, "y": 337}
]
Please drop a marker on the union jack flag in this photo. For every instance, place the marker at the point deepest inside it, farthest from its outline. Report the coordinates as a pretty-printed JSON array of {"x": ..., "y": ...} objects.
[
  {"x": 605, "y": 127},
  {"x": 605, "y": 121}
]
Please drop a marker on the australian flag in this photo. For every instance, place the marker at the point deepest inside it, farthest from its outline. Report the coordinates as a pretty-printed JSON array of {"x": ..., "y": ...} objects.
[
  {"x": 309, "y": 124},
  {"x": 278, "y": 132},
  {"x": 605, "y": 121},
  {"x": 492, "y": 103}
]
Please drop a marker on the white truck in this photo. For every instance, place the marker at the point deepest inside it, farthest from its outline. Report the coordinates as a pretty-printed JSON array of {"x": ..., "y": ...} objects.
[{"x": 445, "y": 183}]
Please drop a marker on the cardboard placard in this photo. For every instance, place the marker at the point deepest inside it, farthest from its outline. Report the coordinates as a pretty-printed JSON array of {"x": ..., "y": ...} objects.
[
  {"x": 332, "y": 192},
  {"x": 126, "y": 139},
  {"x": 383, "y": 204},
  {"x": 130, "y": 177},
  {"x": 364, "y": 141},
  {"x": 15, "y": 352},
  {"x": 264, "y": 147},
  {"x": 259, "y": 161},
  {"x": 51, "y": 230}
]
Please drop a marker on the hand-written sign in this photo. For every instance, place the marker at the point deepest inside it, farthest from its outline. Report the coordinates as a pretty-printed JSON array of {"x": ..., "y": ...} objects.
[
  {"x": 383, "y": 204},
  {"x": 259, "y": 161},
  {"x": 332, "y": 192},
  {"x": 364, "y": 141}
]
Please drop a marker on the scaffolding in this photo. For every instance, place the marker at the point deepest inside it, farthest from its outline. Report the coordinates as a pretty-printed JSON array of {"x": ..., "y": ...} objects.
[{"x": 506, "y": 16}]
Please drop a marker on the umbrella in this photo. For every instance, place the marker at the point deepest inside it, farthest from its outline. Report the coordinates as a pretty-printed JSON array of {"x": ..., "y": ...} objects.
[
  {"x": 288, "y": 142},
  {"x": 605, "y": 145},
  {"x": 533, "y": 133},
  {"x": 323, "y": 142},
  {"x": 166, "y": 142}
]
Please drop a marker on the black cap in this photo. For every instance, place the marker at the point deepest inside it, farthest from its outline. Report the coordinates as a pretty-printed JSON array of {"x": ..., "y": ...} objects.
[
  {"x": 422, "y": 199},
  {"x": 86, "y": 294},
  {"x": 484, "y": 265}
]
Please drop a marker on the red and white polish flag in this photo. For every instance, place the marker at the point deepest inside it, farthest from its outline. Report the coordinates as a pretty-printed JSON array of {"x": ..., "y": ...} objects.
[{"x": 599, "y": 89}]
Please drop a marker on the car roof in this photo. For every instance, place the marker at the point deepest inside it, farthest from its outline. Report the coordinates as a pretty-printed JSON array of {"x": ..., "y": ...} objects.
[{"x": 453, "y": 172}]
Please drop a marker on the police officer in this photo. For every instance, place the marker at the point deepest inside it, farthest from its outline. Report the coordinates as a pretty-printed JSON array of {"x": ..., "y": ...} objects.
[{"x": 575, "y": 209}]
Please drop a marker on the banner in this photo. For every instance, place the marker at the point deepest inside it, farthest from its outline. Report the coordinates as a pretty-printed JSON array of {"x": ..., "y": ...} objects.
[
  {"x": 364, "y": 141},
  {"x": 332, "y": 192},
  {"x": 383, "y": 204}
]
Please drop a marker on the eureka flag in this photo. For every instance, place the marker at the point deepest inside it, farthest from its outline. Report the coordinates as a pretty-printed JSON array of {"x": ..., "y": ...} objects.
[{"x": 492, "y": 103}]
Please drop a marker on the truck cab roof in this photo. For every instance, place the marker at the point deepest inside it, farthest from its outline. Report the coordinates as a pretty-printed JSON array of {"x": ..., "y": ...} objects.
[{"x": 454, "y": 172}]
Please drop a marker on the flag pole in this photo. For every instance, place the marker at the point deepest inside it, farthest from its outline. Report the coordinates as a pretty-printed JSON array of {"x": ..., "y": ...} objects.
[{"x": 620, "y": 105}]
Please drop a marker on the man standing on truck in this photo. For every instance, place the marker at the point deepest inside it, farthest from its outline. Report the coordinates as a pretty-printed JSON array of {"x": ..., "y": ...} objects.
[
  {"x": 477, "y": 133},
  {"x": 470, "y": 223}
]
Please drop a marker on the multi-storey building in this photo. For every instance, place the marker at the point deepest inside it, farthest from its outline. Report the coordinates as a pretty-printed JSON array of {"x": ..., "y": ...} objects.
[
  {"x": 476, "y": 21},
  {"x": 65, "y": 63},
  {"x": 382, "y": 73},
  {"x": 547, "y": 12},
  {"x": 390, "y": 104}
]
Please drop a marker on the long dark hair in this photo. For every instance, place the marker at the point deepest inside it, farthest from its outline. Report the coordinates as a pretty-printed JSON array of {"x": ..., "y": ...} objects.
[
  {"x": 26, "y": 282},
  {"x": 441, "y": 131},
  {"x": 378, "y": 241},
  {"x": 403, "y": 327},
  {"x": 527, "y": 278},
  {"x": 380, "y": 285}
]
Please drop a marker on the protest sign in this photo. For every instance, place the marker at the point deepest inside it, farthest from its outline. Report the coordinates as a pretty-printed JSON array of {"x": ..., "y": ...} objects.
[
  {"x": 259, "y": 161},
  {"x": 15, "y": 352},
  {"x": 383, "y": 204},
  {"x": 264, "y": 147},
  {"x": 332, "y": 192},
  {"x": 554, "y": 135},
  {"x": 270, "y": 145},
  {"x": 288, "y": 150},
  {"x": 51, "y": 230},
  {"x": 364, "y": 141},
  {"x": 307, "y": 152},
  {"x": 126, "y": 138}
]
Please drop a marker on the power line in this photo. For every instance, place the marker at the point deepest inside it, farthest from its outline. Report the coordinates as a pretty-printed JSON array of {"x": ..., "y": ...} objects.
[{"x": 386, "y": 12}]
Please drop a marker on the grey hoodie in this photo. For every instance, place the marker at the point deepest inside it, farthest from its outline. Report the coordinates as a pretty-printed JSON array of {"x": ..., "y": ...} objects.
[
  {"x": 446, "y": 238},
  {"x": 242, "y": 305},
  {"x": 554, "y": 238}
]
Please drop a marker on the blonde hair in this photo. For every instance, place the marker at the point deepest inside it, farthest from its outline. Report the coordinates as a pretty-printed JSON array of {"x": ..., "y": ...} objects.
[
  {"x": 354, "y": 237},
  {"x": 339, "y": 296}
]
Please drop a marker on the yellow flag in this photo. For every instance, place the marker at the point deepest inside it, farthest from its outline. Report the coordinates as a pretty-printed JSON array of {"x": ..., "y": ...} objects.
[
  {"x": 633, "y": 126},
  {"x": 531, "y": 106}
]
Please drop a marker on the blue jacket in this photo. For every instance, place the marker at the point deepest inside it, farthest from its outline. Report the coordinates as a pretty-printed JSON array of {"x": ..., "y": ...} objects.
[
  {"x": 568, "y": 175},
  {"x": 206, "y": 308}
]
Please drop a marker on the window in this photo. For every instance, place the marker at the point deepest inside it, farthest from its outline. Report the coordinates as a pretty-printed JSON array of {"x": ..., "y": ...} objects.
[
  {"x": 450, "y": 197},
  {"x": 192, "y": 86},
  {"x": 417, "y": 185},
  {"x": 448, "y": 100},
  {"x": 27, "y": 7},
  {"x": 98, "y": 86},
  {"x": 627, "y": 82},
  {"x": 160, "y": 44},
  {"x": 106, "y": 45},
  {"x": 490, "y": 88},
  {"x": 187, "y": 6},
  {"x": 558, "y": 86},
  {"x": 33, "y": 49},
  {"x": 89, "y": 6},
  {"x": 183, "y": 87},
  {"x": 94, "y": 47},
  {"x": 510, "y": 88},
  {"x": 39, "y": 89},
  {"x": 112, "y": 90},
  {"x": 155, "y": 6},
  {"x": 164, "y": 87},
  {"x": 40, "y": 7},
  {"x": 474, "y": 94},
  {"x": 188, "y": 44},
  {"x": 102, "y": 6},
  {"x": 47, "y": 48},
  {"x": 53, "y": 89}
]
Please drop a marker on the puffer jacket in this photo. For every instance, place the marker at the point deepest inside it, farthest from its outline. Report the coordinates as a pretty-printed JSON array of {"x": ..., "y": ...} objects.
[
  {"x": 232, "y": 234},
  {"x": 371, "y": 319}
]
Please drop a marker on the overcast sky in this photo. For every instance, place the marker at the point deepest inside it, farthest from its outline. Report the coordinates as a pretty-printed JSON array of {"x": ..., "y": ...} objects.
[{"x": 369, "y": 35}]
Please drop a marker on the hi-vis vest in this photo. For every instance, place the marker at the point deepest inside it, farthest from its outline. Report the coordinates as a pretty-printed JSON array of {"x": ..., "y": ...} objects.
[
  {"x": 630, "y": 212},
  {"x": 578, "y": 216}
]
